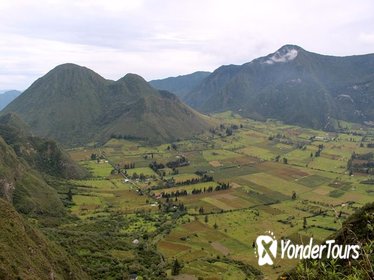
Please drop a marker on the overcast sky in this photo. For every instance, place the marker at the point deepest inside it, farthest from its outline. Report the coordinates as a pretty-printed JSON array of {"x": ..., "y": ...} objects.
[{"x": 157, "y": 39}]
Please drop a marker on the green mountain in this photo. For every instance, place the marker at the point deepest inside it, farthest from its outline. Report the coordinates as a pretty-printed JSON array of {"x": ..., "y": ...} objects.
[
  {"x": 25, "y": 253},
  {"x": 25, "y": 163},
  {"x": 24, "y": 159},
  {"x": 357, "y": 229},
  {"x": 292, "y": 85},
  {"x": 76, "y": 106},
  {"x": 7, "y": 97},
  {"x": 43, "y": 155},
  {"x": 181, "y": 85},
  {"x": 25, "y": 187}
]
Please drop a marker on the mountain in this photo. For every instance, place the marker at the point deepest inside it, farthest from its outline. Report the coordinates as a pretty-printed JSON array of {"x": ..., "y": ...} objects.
[
  {"x": 25, "y": 163},
  {"x": 7, "y": 97},
  {"x": 181, "y": 85},
  {"x": 292, "y": 85},
  {"x": 24, "y": 160},
  {"x": 41, "y": 154},
  {"x": 24, "y": 187},
  {"x": 357, "y": 229},
  {"x": 76, "y": 106},
  {"x": 25, "y": 253}
]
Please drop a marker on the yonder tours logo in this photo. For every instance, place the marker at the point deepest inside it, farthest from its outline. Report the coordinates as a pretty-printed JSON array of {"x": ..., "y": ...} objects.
[{"x": 267, "y": 248}]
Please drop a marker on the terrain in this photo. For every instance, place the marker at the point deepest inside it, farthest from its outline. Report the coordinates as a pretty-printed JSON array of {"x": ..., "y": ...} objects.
[
  {"x": 357, "y": 229},
  {"x": 76, "y": 106},
  {"x": 180, "y": 85},
  {"x": 28, "y": 200},
  {"x": 147, "y": 188},
  {"x": 187, "y": 209},
  {"x": 27, "y": 254},
  {"x": 199, "y": 204},
  {"x": 294, "y": 86}
]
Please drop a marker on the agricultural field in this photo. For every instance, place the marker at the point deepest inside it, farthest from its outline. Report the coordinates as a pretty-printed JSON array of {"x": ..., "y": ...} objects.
[{"x": 204, "y": 201}]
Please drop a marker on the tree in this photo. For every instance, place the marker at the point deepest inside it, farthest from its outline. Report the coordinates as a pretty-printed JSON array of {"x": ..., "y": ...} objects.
[
  {"x": 293, "y": 195},
  {"x": 285, "y": 161},
  {"x": 206, "y": 219},
  {"x": 70, "y": 195},
  {"x": 176, "y": 267},
  {"x": 304, "y": 223},
  {"x": 215, "y": 226}
]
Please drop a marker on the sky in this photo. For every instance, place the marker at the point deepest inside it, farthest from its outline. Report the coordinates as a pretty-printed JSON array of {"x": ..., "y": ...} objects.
[{"x": 162, "y": 38}]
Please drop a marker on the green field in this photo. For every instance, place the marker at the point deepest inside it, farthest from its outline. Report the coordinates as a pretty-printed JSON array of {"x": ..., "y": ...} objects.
[{"x": 211, "y": 233}]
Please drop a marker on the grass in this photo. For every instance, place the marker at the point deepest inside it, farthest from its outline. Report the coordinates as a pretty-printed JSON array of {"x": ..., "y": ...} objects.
[
  {"x": 101, "y": 169},
  {"x": 326, "y": 164},
  {"x": 258, "y": 152},
  {"x": 212, "y": 155},
  {"x": 183, "y": 177},
  {"x": 275, "y": 183},
  {"x": 313, "y": 181},
  {"x": 146, "y": 171},
  {"x": 96, "y": 184},
  {"x": 259, "y": 199}
]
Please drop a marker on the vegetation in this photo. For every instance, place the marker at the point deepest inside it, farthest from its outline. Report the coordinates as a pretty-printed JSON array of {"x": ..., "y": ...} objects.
[
  {"x": 194, "y": 208},
  {"x": 27, "y": 254},
  {"x": 357, "y": 229},
  {"x": 312, "y": 90},
  {"x": 207, "y": 232},
  {"x": 76, "y": 106}
]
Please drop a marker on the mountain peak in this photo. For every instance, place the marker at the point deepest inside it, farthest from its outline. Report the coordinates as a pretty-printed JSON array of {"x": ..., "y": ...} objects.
[
  {"x": 69, "y": 67},
  {"x": 73, "y": 69},
  {"x": 130, "y": 78},
  {"x": 71, "y": 75},
  {"x": 284, "y": 54},
  {"x": 289, "y": 47}
]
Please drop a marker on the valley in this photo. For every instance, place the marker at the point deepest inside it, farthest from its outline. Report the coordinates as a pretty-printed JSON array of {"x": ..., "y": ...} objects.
[
  {"x": 186, "y": 140},
  {"x": 193, "y": 208}
]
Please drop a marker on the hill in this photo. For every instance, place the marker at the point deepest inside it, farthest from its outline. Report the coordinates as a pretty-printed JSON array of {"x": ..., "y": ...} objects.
[
  {"x": 25, "y": 253},
  {"x": 357, "y": 229},
  {"x": 180, "y": 85},
  {"x": 43, "y": 155},
  {"x": 292, "y": 85},
  {"x": 7, "y": 97},
  {"x": 76, "y": 106},
  {"x": 25, "y": 187},
  {"x": 24, "y": 160}
]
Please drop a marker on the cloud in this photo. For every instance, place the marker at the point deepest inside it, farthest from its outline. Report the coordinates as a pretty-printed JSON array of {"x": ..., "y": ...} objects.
[
  {"x": 163, "y": 38},
  {"x": 367, "y": 38}
]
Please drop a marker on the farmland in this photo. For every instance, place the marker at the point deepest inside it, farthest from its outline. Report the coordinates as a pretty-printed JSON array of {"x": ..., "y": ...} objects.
[{"x": 204, "y": 201}]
